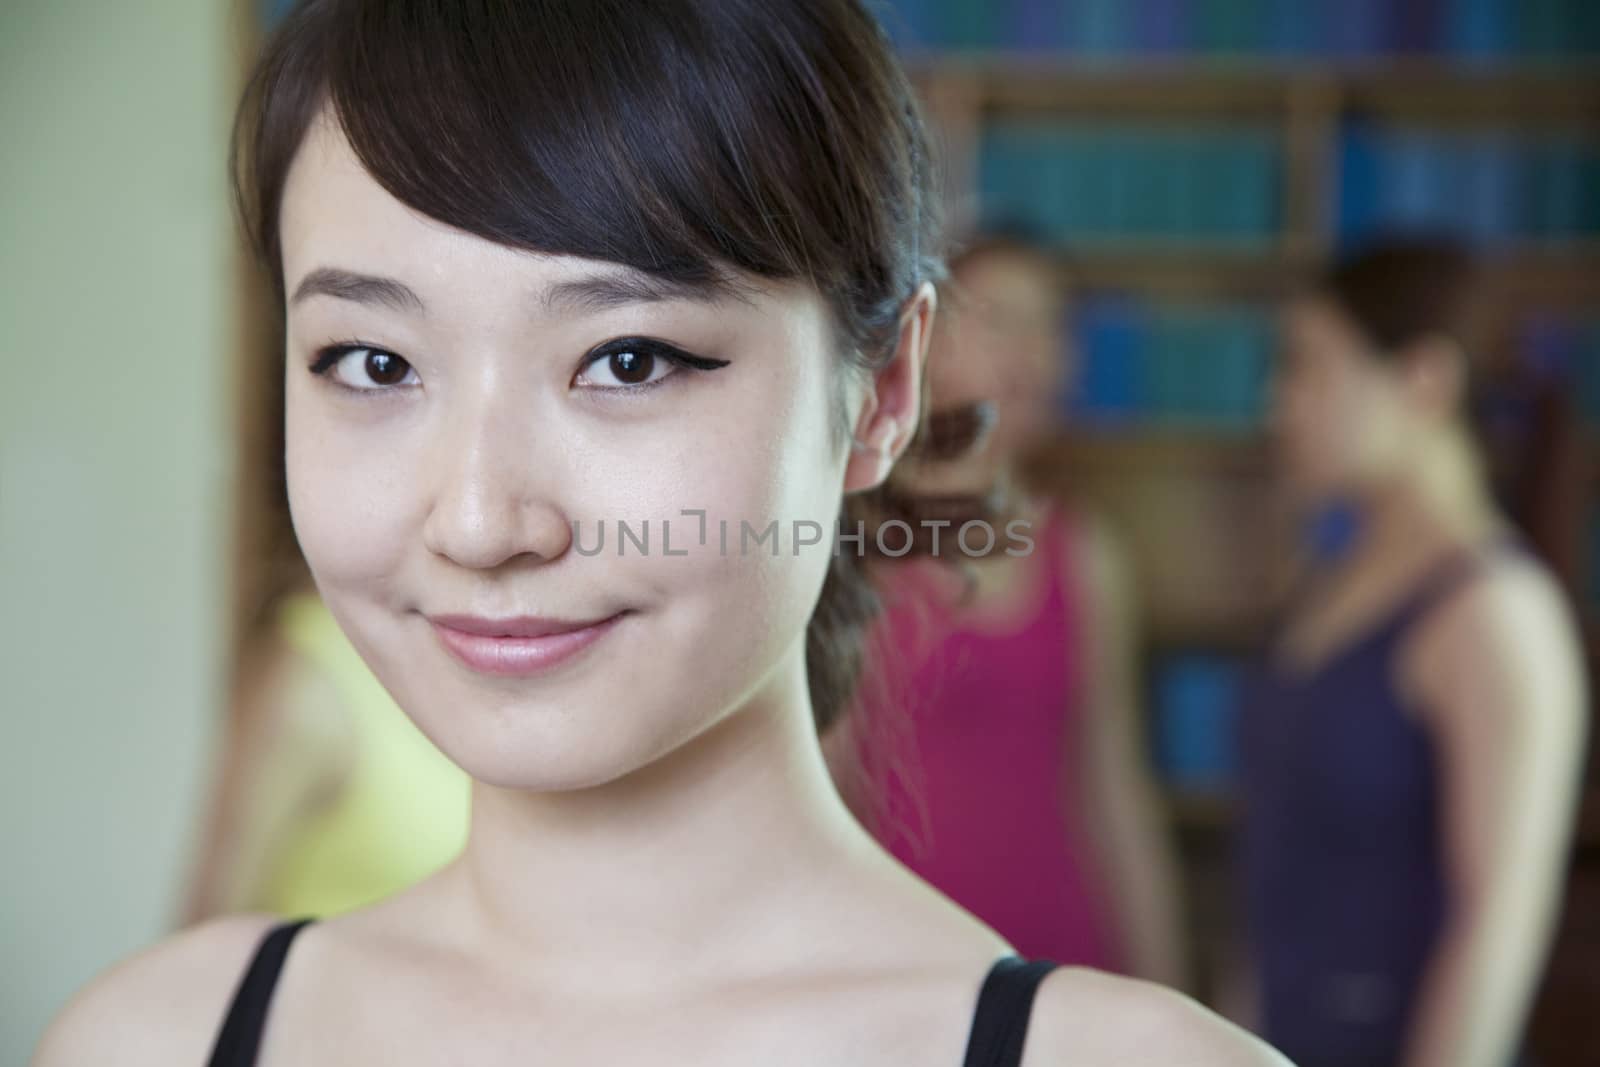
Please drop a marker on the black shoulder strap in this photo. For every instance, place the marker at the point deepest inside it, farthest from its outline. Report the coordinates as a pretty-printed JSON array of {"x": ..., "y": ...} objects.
[
  {"x": 240, "y": 1037},
  {"x": 1000, "y": 1023}
]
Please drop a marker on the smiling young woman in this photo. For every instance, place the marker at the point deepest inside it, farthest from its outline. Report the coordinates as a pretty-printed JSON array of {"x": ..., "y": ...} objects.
[{"x": 551, "y": 265}]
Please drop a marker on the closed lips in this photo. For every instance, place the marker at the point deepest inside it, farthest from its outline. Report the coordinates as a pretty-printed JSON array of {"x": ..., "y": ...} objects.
[
  {"x": 519, "y": 647},
  {"x": 525, "y": 626}
]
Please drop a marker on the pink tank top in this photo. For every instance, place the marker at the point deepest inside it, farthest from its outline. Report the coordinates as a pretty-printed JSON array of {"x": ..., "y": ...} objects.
[{"x": 962, "y": 739}]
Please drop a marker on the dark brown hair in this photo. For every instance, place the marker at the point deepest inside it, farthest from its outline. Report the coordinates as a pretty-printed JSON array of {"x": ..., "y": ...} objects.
[
  {"x": 690, "y": 139},
  {"x": 1401, "y": 289},
  {"x": 1010, "y": 237}
]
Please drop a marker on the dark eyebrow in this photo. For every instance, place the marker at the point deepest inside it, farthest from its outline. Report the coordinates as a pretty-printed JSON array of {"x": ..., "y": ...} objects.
[
  {"x": 361, "y": 288},
  {"x": 592, "y": 293},
  {"x": 611, "y": 289}
]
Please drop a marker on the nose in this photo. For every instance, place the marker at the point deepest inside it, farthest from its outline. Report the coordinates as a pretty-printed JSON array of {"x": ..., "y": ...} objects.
[{"x": 495, "y": 489}]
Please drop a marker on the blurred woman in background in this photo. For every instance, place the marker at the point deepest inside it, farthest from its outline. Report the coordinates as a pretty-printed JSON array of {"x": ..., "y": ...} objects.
[
  {"x": 326, "y": 796},
  {"x": 995, "y": 746},
  {"x": 1412, "y": 747}
]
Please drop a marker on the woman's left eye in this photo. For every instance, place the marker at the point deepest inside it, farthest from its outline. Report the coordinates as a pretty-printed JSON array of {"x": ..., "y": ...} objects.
[{"x": 637, "y": 363}]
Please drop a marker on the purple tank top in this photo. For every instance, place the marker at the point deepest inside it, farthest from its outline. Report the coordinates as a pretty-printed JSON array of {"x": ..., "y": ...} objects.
[
  {"x": 964, "y": 739},
  {"x": 1344, "y": 872}
]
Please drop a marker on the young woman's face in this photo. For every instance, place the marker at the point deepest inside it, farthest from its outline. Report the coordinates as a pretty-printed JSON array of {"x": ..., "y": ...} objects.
[
  {"x": 1340, "y": 415},
  {"x": 448, "y": 484}
]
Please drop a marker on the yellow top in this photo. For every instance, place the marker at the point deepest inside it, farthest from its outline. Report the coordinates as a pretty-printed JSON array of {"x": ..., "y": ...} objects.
[{"x": 402, "y": 811}]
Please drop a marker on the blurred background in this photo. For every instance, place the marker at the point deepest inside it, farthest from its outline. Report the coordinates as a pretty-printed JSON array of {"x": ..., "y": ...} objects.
[
  {"x": 119, "y": 343},
  {"x": 1193, "y": 162},
  {"x": 1197, "y": 162}
]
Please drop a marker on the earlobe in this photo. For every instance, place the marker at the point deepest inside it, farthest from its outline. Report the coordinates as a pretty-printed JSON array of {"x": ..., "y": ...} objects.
[
  {"x": 879, "y": 439},
  {"x": 871, "y": 459}
]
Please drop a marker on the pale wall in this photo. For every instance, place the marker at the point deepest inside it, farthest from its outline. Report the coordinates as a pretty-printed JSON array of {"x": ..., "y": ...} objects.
[{"x": 115, "y": 320}]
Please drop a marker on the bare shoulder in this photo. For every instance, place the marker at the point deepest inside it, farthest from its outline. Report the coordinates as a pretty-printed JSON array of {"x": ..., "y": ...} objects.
[
  {"x": 1516, "y": 591},
  {"x": 1086, "y": 1016},
  {"x": 161, "y": 1006},
  {"x": 1508, "y": 631}
]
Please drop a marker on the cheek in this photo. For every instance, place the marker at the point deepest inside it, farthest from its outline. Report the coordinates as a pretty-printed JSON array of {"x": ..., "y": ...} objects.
[
  {"x": 1343, "y": 430},
  {"x": 1036, "y": 388},
  {"x": 348, "y": 499},
  {"x": 764, "y": 473},
  {"x": 724, "y": 607}
]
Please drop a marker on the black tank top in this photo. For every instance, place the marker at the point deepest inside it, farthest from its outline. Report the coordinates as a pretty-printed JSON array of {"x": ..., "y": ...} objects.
[{"x": 999, "y": 1022}]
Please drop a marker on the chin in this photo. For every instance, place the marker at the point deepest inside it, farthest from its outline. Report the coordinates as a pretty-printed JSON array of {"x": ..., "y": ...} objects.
[
  {"x": 535, "y": 770},
  {"x": 538, "y": 747},
  {"x": 586, "y": 758},
  {"x": 609, "y": 718}
]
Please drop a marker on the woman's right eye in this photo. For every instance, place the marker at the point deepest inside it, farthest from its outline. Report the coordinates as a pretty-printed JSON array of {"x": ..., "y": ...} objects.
[{"x": 363, "y": 368}]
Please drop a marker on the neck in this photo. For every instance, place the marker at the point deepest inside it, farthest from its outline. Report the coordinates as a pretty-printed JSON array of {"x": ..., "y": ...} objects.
[
  {"x": 674, "y": 867},
  {"x": 1438, "y": 499}
]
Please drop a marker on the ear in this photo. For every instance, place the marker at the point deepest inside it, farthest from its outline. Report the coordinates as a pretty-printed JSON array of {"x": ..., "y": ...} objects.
[
  {"x": 893, "y": 404},
  {"x": 1435, "y": 376}
]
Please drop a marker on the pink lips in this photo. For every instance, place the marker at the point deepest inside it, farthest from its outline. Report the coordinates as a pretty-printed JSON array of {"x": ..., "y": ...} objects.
[{"x": 519, "y": 646}]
